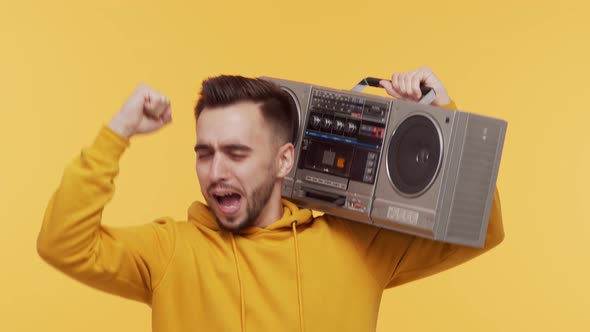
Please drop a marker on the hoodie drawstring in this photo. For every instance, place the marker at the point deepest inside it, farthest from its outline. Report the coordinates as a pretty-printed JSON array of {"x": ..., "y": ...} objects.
[
  {"x": 298, "y": 270},
  {"x": 299, "y": 296},
  {"x": 242, "y": 306}
]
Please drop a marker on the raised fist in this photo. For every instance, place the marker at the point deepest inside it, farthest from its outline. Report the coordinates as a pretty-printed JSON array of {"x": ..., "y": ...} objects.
[{"x": 145, "y": 111}]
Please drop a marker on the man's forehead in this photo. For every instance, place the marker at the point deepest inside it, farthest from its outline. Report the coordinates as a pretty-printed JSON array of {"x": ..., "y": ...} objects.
[{"x": 241, "y": 121}]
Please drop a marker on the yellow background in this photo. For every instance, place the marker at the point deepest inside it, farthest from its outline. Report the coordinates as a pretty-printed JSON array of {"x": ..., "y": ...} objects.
[{"x": 67, "y": 66}]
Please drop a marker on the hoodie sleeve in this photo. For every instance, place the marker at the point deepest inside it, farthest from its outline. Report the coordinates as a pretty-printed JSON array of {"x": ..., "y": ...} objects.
[
  {"x": 397, "y": 258},
  {"x": 425, "y": 257},
  {"x": 124, "y": 261}
]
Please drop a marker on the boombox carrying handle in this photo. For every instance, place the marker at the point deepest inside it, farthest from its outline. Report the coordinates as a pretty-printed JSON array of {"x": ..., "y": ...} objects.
[{"x": 428, "y": 94}]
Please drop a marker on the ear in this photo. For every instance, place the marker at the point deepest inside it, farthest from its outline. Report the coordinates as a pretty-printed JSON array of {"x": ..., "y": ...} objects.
[{"x": 285, "y": 159}]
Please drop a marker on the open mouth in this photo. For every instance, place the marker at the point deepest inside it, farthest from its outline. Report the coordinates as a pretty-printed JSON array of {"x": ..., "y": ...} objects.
[{"x": 228, "y": 202}]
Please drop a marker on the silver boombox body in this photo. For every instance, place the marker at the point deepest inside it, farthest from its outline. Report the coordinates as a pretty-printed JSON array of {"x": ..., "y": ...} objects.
[{"x": 408, "y": 167}]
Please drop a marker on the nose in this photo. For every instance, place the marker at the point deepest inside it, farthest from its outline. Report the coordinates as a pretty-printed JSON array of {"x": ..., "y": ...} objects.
[{"x": 218, "y": 168}]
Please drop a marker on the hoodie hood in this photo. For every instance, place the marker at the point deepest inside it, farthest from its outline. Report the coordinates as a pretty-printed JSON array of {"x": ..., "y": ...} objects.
[{"x": 201, "y": 214}]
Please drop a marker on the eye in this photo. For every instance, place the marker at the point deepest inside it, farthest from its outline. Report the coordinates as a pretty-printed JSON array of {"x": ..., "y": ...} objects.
[
  {"x": 237, "y": 156},
  {"x": 201, "y": 155}
]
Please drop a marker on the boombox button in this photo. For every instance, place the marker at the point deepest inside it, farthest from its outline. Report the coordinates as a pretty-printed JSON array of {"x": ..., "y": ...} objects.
[{"x": 371, "y": 156}]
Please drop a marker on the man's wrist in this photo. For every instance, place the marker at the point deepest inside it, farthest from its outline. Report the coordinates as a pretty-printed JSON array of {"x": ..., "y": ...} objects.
[{"x": 120, "y": 128}]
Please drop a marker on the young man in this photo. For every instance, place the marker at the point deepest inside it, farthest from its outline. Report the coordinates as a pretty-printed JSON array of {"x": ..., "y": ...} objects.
[{"x": 249, "y": 261}]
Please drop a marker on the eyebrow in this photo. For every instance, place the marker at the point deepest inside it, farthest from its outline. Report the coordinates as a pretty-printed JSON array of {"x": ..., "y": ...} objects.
[
  {"x": 202, "y": 147},
  {"x": 236, "y": 147},
  {"x": 227, "y": 147}
]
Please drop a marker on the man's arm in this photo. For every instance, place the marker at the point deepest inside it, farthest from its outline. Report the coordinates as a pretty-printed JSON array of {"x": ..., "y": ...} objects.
[
  {"x": 124, "y": 261},
  {"x": 396, "y": 258},
  {"x": 424, "y": 257}
]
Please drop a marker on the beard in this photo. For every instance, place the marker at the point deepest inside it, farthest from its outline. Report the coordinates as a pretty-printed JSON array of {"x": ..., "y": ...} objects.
[{"x": 256, "y": 202}]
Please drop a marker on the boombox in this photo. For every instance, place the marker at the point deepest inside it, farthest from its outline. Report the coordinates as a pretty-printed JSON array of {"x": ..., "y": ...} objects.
[{"x": 405, "y": 166}]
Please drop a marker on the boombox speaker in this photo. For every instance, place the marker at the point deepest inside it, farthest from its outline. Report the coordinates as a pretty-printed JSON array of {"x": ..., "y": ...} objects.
[{"x": 404, "y": 166}]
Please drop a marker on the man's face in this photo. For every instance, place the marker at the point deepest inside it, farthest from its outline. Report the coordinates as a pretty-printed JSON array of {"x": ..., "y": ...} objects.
[{"x": 236, "y": 163}]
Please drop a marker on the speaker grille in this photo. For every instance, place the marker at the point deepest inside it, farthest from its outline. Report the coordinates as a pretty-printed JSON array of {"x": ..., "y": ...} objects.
[{"x": 476, "y": 172}]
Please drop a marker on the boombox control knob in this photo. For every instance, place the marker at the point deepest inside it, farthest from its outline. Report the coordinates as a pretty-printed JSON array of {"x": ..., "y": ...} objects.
[
  {"x": 327, "y": 124},
  {"x": 351, "y": 128},
  {"x": 339, "y": 125},
  {"x": 316, "y": 121}
]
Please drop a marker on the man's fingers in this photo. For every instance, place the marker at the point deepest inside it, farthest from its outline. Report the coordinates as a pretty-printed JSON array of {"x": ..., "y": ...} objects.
[
  {"x": 155, "y": 104},
  {"x": 167, "y": 116},
  {"x": 402, "y": 84},
  {"x": 406, "y": 86},
  {"x": 412, "y": 82},
  {"x": 388, "y": 86},
  {"x": 416, "y": 79},
  {"x": 395, "y": 83}
]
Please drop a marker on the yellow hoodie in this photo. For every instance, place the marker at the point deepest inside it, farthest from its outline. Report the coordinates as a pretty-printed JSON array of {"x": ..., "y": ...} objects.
[{"x": 298, "y": 274}]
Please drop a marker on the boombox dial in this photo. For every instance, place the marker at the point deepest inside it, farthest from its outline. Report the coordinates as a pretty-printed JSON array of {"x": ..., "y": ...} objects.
[
  {"x": 339, "y": 126},
  {"x": 327, "y": 124},
  {"x": 315, "y": 121},
  {"x": 351, "y": 128}
]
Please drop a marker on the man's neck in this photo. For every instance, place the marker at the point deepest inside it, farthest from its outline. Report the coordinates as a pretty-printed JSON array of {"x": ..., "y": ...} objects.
[{"x": 273, "y": 210}]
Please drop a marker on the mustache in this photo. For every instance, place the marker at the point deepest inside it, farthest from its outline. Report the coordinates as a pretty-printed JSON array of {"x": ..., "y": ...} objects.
[{"x": 222, "y": 185}]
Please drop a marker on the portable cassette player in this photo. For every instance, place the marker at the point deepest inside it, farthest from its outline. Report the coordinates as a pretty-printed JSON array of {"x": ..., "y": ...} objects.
[{"x": 409, "y": 167}]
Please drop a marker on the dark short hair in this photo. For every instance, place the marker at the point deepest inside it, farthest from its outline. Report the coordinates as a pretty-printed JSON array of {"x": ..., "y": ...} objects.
[{"x": 275, "y": 103}]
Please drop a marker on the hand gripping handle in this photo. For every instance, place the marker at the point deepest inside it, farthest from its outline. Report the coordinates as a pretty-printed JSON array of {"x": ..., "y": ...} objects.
[{"x": 428, "y": 94}]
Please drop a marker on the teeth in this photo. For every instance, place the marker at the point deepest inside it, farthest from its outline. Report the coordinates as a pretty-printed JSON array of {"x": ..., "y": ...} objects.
[{"x": 223, "y": 194}]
